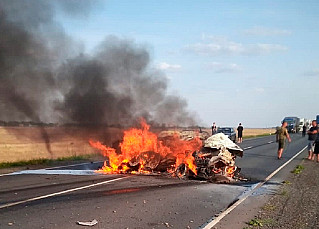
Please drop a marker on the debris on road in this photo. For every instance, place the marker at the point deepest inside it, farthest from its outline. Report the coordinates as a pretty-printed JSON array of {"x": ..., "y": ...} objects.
[
  {"x": 88, "y": 223},
  {"x": 219, "y": 141},
  {"x": 185, "y": 135}
]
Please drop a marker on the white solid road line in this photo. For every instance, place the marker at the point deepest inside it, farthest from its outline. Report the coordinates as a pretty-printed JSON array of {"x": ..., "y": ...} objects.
[
  {"x": 65, "y": 166},
  {"x": 59, "y": 193},
  {"x": 238, "y": 202}
]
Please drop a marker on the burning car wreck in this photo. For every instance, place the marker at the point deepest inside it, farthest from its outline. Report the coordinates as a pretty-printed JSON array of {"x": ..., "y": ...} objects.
[
  {"x": 215, "y": 161},
  {"x": 144, "y": 152}
]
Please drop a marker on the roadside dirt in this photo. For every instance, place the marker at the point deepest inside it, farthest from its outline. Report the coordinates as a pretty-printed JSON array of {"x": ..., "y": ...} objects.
[{"x": 296, "y": 204}]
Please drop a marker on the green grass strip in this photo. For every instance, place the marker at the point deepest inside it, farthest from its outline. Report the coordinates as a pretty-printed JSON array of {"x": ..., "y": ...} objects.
[
  {"x": 42, "y": 161},
  {"x": 298, "y": 169},
  {"x": 256, "y": 136}
]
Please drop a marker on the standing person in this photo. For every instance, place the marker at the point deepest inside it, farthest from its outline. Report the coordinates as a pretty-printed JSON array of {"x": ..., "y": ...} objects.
[
  {"x": 281, "y": 135},
  {"x": 304, "y": 129},
  {"x": 240, "y": 129},
  {"x": 214, "y": 128},
  {"x": 316, "y": 151},
  {"x": 312, "y": 135}
]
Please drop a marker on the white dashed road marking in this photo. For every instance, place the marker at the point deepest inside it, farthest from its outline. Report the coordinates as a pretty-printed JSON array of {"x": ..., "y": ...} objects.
[{"x": 249, "y": 147}]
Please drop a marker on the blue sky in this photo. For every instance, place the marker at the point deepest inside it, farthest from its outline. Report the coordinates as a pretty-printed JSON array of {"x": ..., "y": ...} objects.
[{"x": 233, "y": 61}]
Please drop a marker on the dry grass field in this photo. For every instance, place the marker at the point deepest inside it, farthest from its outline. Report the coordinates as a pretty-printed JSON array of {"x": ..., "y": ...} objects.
[
  {"x": 27, "y": 143},
  {"x": 253, "y": 132},
  {"x": 258, "y": 131}
]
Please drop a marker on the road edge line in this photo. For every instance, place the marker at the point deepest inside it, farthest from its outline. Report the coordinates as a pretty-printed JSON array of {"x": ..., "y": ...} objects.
[{"x": 239, "y": 201}]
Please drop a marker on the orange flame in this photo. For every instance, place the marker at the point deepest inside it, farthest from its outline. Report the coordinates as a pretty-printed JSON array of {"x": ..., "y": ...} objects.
[
  {"x": 142, "y": 148},
  {"x": 230, "y": 170}
]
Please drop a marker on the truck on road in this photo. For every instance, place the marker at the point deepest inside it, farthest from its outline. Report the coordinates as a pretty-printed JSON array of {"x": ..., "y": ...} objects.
[
  {"x": 293, "y": 124},
  {"x": 302, "y": 122}
]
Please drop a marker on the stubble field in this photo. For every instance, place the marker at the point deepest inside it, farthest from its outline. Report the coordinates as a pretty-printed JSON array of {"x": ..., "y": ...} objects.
[
  {"x": 253, "y": 132},
  {"x": 27, "y": 143}
]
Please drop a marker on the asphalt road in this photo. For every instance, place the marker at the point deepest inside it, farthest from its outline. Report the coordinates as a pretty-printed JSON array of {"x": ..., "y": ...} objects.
[{"x": 56, "y": 199}]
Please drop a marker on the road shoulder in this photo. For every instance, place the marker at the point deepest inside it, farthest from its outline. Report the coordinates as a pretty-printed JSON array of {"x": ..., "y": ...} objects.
[{"x": 293, "y": 205}]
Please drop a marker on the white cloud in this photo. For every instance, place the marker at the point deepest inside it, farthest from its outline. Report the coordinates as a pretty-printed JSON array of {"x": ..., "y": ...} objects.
[
  {"x": 165, "y": 66},
  {"x": 312, "y": 73},
  {"x": 218, "y": 67},
  {"x": 214, "y": 38},
  {"x": 218, "y": 46},
  {"x": 262, "y": 49},
  {"x": 259, "y": 90},
  {"x": 263, "y": 31}
]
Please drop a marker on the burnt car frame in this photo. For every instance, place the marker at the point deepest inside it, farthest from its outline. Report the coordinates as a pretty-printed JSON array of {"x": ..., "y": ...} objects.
[{"x": 215, "y": 161}]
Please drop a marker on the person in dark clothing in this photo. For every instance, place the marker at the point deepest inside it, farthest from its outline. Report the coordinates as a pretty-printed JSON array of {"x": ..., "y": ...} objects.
[
  {"x": 312, "y": 135},
  {"x": 304, "y": 129},
  {"x": 316, "y": 151},
  {"x": 240, "y": 130},
  {"x": 214, "y": 129}
]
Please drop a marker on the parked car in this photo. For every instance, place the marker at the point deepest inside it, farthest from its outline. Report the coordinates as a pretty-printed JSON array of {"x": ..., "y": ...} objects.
[{"x": 229, "y": 131}]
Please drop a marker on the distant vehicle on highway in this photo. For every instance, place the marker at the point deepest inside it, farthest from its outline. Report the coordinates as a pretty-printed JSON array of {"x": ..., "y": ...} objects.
[
  {"x": 293, "y": 124},
  {"x": 229, "y": 131},
  {"x": 302, "y": 122}
]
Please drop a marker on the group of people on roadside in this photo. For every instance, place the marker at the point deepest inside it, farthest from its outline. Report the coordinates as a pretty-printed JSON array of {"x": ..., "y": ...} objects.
[{"x": 313, "y": 140}]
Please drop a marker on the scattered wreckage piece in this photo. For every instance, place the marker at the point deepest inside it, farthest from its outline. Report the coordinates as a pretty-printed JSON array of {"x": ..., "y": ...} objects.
[
  {"x": 219, "y": 141},
  {"x": 185, "y": 135},
  {"x": 87, "y": 223}
]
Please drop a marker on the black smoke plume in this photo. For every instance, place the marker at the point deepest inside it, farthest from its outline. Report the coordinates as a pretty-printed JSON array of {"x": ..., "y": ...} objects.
[{"x": 46, "y": 77}]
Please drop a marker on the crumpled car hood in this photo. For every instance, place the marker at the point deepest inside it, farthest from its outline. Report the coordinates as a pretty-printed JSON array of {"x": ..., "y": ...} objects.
[{"x": 219, "y": 141}]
